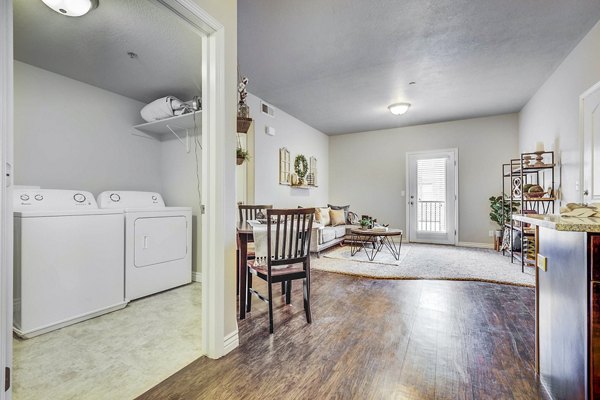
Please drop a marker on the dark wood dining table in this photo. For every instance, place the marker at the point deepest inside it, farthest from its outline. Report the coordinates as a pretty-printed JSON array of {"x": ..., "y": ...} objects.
[{"x": 244, "y": 236}]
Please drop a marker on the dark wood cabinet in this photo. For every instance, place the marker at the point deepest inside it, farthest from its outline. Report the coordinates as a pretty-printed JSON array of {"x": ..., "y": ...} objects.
[{"x": 594, "y": 318}]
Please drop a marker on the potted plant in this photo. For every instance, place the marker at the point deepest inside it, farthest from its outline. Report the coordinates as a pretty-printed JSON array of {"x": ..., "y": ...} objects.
[
  {"x": 501, "y": 211},
  {"x": 364, "y": 223},
  {"x": 241, "y": 155}
]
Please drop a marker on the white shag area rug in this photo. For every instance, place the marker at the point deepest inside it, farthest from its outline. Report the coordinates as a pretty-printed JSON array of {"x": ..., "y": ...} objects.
[{"x": 423, "y": 261}]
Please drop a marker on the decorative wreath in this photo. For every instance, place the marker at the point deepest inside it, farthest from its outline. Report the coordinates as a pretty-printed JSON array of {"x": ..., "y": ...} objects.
[{"x": 300, "y": 166}]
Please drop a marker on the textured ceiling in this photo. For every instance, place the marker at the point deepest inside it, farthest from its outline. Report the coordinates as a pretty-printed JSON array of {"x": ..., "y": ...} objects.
[
  {"x": 93, "y": 48},
  {"x": 338, "y": 64}
]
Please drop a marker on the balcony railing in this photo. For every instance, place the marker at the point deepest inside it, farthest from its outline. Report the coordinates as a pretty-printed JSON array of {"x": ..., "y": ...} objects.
[{"x": 431, "y": 216}]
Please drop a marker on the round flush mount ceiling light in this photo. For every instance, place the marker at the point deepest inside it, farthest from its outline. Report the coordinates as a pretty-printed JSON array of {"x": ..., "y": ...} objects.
[
  {"x": 399, "y": 108},
  {"x": 71, "y": 8}
]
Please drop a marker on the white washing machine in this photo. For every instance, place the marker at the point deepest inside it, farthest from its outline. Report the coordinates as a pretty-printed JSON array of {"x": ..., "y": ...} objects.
[
  {"x": 68, "y": 259},
  {"x": 158, "y": 241}
]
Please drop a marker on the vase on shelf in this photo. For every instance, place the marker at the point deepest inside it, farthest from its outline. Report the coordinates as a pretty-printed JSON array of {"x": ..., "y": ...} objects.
[{"x": 243, "y": 110}]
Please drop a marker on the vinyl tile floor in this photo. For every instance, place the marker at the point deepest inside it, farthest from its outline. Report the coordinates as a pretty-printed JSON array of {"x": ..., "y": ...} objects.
[{"x": 115, "y": 356}]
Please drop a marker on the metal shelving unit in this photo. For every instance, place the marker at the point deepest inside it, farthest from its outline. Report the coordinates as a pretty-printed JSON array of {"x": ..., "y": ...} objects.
[{"x": 530, "y": 168}]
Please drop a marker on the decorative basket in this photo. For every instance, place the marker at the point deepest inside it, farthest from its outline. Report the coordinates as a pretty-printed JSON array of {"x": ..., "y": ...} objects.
[{"x": 534, "y": 195}]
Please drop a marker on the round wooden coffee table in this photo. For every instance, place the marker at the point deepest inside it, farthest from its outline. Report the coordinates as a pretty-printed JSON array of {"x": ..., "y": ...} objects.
[{"x": 377, "y": 238}]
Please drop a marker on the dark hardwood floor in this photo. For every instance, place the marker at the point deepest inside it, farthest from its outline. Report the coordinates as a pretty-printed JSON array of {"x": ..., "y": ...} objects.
[{"x": 376, "y": 339}]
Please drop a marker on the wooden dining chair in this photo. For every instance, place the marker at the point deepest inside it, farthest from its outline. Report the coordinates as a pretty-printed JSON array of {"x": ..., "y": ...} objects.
[
  {"x": 288, "y": 257},
  {"x": 248, "y": 212},
  {"x": 253, "y": 211}
]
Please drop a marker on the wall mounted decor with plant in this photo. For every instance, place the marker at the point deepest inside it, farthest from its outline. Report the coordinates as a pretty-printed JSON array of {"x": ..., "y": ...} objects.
[
  {"x": 241, "y": 156},
  {"x": 301, "y": 168}
]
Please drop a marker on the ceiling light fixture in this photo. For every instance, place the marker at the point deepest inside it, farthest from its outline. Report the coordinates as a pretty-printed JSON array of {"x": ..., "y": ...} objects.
[
  {"x": 399, "y": 108},
  {"x": 71, "y": 8}
]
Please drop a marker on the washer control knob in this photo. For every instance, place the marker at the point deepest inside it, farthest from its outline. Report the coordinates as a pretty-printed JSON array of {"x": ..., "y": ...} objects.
[
  {"x": 39, "y": 197},
  {"x": 154, "y": 197},
  {"x": 115, "y": 197},
  {"x": 79, "y": 197},
  {"x": 24, "y": 197}
]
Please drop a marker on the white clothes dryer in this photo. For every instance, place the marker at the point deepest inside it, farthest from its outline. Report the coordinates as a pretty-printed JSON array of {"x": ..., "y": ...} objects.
[
  {"x": 68, "y": 259},
  {"x": 158, "y": 241}
]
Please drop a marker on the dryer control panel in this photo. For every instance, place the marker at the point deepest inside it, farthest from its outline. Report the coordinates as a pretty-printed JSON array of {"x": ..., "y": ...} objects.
[
  {"x": 52, "y": 199},
  {"x": 130, "y": 199}
]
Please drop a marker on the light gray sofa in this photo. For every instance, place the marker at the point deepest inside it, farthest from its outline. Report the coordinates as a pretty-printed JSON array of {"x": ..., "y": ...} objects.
[{"x": 323, "y": 237}]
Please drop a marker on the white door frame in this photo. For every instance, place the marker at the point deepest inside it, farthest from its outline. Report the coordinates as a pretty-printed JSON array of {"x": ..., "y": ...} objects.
[
  {"x": 456, "y": 199},
  {"x": 6, "y": 248},
  {"x": 213, "y": 236},
  {"x": 586, "y": 170},
  {"x": 215, "y": 343}
]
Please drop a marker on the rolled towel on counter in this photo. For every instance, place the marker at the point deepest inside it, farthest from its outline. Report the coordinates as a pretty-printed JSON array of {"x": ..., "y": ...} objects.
[{"x": 162, "y": 108}]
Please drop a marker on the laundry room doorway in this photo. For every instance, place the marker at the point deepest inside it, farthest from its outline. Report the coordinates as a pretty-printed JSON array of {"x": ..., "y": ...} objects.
[{"x": 86, "y": 80}]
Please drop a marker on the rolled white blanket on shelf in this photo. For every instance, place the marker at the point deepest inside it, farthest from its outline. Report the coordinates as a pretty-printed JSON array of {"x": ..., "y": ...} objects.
[{"x": 162, "y": 108}]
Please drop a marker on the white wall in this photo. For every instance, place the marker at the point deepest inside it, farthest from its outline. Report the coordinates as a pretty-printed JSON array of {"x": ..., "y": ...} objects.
[
  {"x": 298, "y": 138},
  {"x": 368, "y": 170},
  {"x": 180, "y": 184},
  {"x": 552, "y": 114},
  {"x": 71, "y": 135}
]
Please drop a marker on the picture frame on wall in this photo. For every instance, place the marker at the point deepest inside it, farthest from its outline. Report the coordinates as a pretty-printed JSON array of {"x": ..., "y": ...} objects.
[{"x": 284, "y": 167}]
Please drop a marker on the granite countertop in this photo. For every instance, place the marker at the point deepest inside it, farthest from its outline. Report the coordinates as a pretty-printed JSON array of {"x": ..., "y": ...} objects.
[{"x": 560, "y": 223}]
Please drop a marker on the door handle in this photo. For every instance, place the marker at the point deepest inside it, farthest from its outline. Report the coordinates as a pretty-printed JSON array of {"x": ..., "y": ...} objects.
[
  {"x": 586, "y": 192},
  {"x": 146, "y": 241}
]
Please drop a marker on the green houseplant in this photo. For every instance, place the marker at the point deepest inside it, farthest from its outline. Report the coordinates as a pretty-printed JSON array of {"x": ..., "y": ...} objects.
[
  {"x": 241, "y": 156},
  {"x": 364, "y": 223},
  {"x": 501, "y": 210}
]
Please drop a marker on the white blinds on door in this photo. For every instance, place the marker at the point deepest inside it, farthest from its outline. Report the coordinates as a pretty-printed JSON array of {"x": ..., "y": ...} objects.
[{"x": 431, "y": 192}]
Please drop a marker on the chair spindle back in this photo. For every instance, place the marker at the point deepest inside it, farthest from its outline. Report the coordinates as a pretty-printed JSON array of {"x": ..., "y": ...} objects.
[
  {"x": 292, "y": 229},
  {"x": 250, "y": 211}
]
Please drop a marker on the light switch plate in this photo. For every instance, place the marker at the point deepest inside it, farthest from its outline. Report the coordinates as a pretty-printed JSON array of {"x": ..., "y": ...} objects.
[{"x": 542, "y": 262}]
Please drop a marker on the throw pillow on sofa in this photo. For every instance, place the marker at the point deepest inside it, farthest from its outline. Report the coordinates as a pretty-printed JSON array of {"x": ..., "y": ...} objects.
[
  {"x": 337, "y": 217},
  {"x": 345, "y": 208},
  {"x": 324, "y": 217}
]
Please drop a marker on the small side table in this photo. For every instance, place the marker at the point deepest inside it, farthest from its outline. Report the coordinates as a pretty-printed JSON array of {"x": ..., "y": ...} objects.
[{"x": 378, "y": 238}]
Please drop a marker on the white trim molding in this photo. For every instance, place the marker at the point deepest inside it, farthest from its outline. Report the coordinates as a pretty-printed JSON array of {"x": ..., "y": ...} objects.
[
  {"x": 231, "y": 341},
  {"x": 213, "y": 236},
  {"x": 586, "y": 158},
  {"x": 6, "y": 217},
  {"x": 213, "y": 193},
  {"x": 197, "y": 276},
  {"x": 476, "y": 245}
]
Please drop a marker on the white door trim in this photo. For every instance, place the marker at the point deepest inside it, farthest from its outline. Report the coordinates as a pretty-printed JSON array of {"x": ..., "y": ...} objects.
[
  {"x": 212, "y": 236},
  {"x": 583, "y": 161},
  {"x": 456, "y": 191},
  {"x": 6, "y": 248}
]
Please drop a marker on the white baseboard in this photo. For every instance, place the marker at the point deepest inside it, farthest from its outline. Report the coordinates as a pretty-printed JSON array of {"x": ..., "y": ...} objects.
[
  {"x": 231, "y": 341},
  {"x": 476, "y": 245},
  {"x": 197, "y": 276}
]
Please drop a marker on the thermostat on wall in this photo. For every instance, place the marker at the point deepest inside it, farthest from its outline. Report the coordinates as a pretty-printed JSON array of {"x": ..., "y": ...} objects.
[{"x": 269, "y": 130}]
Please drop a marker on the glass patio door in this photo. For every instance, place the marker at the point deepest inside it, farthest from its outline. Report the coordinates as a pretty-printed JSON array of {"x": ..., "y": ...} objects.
[{"x": 432, "y": 196}]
